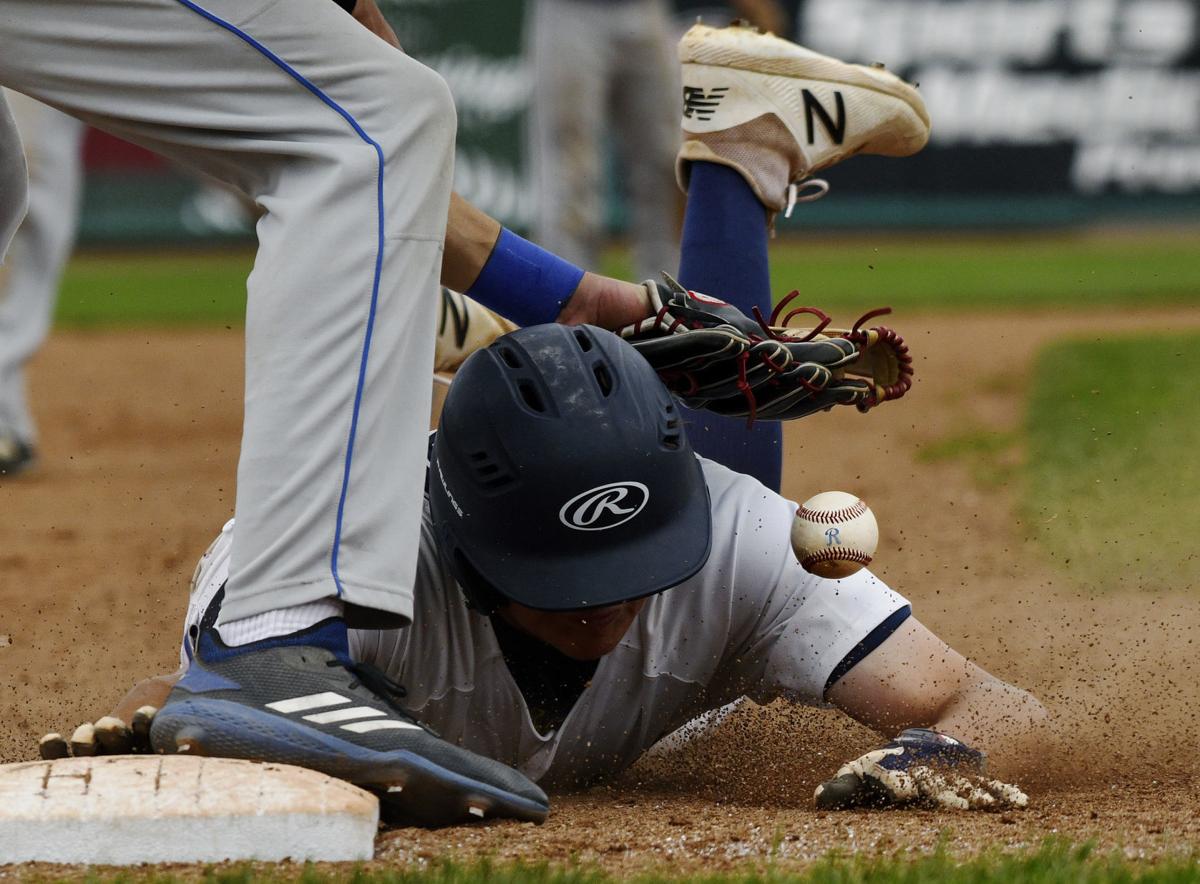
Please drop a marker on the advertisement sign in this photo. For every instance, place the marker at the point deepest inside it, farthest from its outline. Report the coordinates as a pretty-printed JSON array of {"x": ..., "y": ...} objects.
[{"x": 1045, "y": 112}]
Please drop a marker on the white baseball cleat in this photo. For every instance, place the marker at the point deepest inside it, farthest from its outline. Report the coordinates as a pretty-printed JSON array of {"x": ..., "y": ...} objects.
[{"x": 778, "y": 113}]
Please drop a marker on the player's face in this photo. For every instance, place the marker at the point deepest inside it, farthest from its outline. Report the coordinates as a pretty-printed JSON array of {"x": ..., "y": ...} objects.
[{"x": 581, "y": 635}]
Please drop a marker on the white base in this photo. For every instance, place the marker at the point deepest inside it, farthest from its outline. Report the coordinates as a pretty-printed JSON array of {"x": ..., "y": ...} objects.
[{"x": 129, "y": 809}]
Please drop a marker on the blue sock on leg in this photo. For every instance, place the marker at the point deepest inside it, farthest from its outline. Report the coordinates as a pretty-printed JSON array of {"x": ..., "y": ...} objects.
[{"x": 724, "y": 254}]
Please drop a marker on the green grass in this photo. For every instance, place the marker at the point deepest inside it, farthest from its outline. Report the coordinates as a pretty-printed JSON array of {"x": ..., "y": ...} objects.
[
  {"x": 991, "y": 456},
  {"x": 1053, "y": 863},
  {"x": 842, "y": 276},
  {"x": 172, "y": 288},
  {"x": 1113, "y": 470},
  {"x": 958, "y": 273}
]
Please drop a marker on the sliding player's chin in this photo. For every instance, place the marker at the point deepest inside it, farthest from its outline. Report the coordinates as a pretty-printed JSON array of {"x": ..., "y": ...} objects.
[{"x": 597, "y": 633}]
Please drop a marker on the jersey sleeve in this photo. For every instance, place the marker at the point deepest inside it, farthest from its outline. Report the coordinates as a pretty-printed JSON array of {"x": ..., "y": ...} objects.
[{"x": 791, "y": 632}]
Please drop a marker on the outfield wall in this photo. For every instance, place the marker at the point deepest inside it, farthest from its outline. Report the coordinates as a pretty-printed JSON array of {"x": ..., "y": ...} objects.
[{"x": 1046, "y": 113}]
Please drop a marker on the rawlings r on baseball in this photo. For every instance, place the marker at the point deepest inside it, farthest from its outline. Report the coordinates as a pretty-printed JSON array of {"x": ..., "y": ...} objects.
[{"x": 834, "y": 534}]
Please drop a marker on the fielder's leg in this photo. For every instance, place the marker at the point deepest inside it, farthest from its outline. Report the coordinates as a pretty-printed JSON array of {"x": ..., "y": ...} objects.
[
  {"x": 724, "y": 254},
  {"x": 347, "y": 145},
  {"x": 761, "y": 116},
  {"x": 645, "y": 97},
  {"x": 568, "y": 45},
  {"x": 14, "y": 195},
  {"x": 40, "y": 248}
]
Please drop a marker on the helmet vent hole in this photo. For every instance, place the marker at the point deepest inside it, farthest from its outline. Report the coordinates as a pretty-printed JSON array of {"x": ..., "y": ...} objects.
[
  {"x": 603, "y": 378},
  {"x": 531, "y": 396},
  {"x": 489, "y": 474},
  {"x": 585, "y": 343},
  {"x": 510, "y": 357},
  {"x": 672, "y": 433}
]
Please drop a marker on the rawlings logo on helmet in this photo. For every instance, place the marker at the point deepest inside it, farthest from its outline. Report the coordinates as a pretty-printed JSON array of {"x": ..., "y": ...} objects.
[{"x": 605, "y": 506}]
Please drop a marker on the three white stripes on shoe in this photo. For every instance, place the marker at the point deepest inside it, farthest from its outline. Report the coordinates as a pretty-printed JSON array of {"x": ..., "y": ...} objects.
[{"x": 353, "y": 714}]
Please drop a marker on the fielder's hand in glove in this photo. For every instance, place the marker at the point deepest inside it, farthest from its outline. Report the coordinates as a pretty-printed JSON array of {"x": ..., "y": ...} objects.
[
  {"x": 713, "y": 356},
  {"x": 108, "y": 736},
  {"x": 923, "y": 768}
]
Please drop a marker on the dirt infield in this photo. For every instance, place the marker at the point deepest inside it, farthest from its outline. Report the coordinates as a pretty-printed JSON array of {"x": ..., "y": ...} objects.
[{"x": 140, "y": 439}]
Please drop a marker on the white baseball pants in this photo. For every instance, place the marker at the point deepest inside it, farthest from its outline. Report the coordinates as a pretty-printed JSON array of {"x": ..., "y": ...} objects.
[{"x": 347, "y": 145}]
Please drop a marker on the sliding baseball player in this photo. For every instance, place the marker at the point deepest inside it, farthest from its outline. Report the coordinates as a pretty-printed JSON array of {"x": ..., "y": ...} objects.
[{"x": 587, "y": 585}]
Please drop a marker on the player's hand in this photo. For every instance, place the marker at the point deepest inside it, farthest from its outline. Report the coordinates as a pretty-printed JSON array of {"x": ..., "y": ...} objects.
[
  {"x": 107, "y": 736},
  {"x": 713, "y": 356},
  {"x": 606, "y": 302},
  {"x": 923, "y": 768}
]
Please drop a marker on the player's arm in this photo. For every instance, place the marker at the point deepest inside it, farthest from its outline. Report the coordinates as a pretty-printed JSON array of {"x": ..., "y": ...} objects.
[
  {"x": 917, "y": 685},
  {"x": 526, "y": 284},
  {"x": 367, "y": 13},
  {"x": 914, "y": 679}
]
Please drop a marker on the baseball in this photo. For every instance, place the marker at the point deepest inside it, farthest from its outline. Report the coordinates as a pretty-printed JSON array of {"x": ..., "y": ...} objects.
[{"x": 834, "y": 534}]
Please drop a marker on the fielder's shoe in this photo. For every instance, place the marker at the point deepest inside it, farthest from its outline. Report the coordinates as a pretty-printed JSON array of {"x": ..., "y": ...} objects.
[
  {"x": 465, "y": 326},
  {"x": 778, "y": 112},
  {"x": 15, "y": 456},
  {"x": 300, "y": 700}
]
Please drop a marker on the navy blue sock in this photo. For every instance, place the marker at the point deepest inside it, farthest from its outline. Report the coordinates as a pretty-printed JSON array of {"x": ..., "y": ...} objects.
[
  {"x": 724, "y": 254},
  {"x": 329, "y": 634}
]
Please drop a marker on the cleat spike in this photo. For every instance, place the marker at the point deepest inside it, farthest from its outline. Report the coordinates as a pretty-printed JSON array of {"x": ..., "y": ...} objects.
[
  {"x": 53, "y": 746},
  {"x": 83, "y": 741}
]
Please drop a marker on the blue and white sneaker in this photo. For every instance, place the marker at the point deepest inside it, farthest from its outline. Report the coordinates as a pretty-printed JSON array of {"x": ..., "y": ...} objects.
[{"x": 299, "y": 699}]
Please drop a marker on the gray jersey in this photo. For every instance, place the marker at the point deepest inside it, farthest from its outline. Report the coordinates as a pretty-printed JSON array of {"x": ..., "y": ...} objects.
[{"x": 751, "y": 623}]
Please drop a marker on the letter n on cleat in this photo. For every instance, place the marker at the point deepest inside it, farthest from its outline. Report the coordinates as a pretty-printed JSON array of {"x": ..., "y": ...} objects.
[{"x": 837, "y": 131}]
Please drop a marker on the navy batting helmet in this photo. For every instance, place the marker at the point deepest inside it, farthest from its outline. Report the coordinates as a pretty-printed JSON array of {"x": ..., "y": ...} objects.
[{"x": 561, "y": 478}]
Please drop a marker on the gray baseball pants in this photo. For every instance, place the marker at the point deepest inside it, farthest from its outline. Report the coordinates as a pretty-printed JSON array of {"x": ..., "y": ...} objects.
[
  {"x": 604, "y": 68},
  {"x": 347, "y": 146},
  {"x": 40, "y": 248},
  {"x": 14, "y": 193}
]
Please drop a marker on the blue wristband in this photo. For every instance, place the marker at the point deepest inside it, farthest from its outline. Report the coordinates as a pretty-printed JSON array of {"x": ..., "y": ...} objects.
[{"x": 523, "y": 282}]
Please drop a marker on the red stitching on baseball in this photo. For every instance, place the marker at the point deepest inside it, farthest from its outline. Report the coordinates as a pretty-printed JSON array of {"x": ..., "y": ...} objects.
[
  {"x": 836, "y": 555},
  {"x": 829, "y": 517}
]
